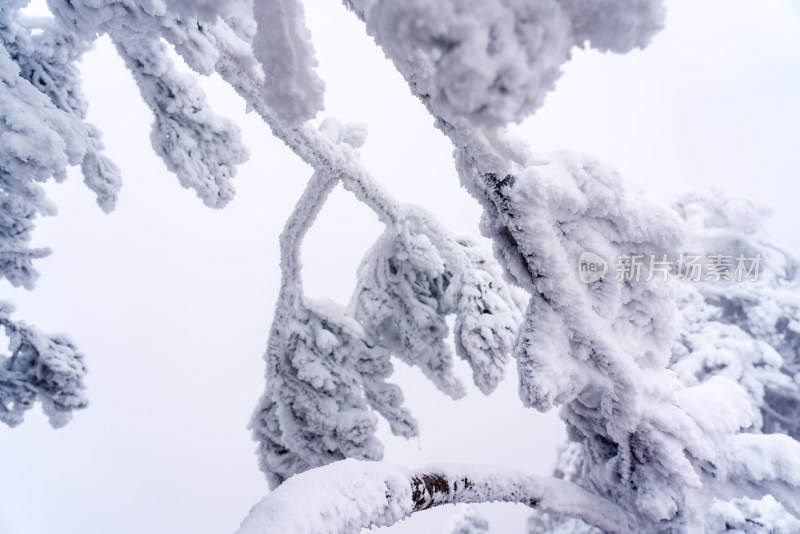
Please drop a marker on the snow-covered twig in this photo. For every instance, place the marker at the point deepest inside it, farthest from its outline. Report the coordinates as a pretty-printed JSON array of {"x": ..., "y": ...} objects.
[{"x": 302, "y": 217}]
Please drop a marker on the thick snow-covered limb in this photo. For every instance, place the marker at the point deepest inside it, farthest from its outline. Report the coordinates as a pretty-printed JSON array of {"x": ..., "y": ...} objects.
[{"x": 346, "y": 496}]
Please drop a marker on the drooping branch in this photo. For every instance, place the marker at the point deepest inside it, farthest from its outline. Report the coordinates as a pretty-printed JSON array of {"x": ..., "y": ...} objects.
[
  {"x": 201, "y": 147},
  {"x": 327, "y": 367},
  {"x": 39, "y": 368},
  {"x": 349, "y": 495}
]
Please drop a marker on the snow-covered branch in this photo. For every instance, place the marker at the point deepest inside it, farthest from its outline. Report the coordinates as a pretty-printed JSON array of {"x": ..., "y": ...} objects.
[
  {"x": 661, "y": 443},
  {"x": 349, "y": 495},
  {"x": 749, "y": 332},
  {"x": 41, "y": 368},
  {"x": 599, "y": 349},
  {"x": 202, "y": 148},
  {"x": 327, "y": 367}
]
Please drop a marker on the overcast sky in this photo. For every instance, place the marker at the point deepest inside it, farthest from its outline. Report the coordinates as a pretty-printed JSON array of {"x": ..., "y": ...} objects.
[{"x": 171, "y": 302}]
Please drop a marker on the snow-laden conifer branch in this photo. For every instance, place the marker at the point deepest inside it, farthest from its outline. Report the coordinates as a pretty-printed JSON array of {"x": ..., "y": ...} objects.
[
  {"x": 346, "y": 496},
  {"x": 413, "y": 277},
  {"x": 202, "y": 148},
  {"x": 327, "y": 366},
  {"x": 318, "y": 362},
  {"x": 749, "y": 329},
  {"x": 43, "y": 368},
  {"x": 39, "y": 140},
  {"x": 46, "y": 55},
  {"x": 224, "y": 44}
]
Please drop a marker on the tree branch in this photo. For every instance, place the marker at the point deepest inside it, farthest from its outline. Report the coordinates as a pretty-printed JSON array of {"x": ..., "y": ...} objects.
[
  {"x": 349, "y": 495},
  {"x": 294, "y": 231}
]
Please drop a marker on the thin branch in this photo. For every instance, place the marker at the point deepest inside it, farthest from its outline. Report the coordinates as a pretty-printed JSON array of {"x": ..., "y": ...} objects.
[{"x": 294, "y": 231}]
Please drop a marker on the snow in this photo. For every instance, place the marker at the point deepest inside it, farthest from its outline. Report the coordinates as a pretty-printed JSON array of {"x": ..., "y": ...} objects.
[
  {"x": 327, "y": 367},
  {"x": 346, "y": 496},
  {"x": 493, "y": 62},
  {"x": 282, "y": 44},
  {"x": 202, "y": 148},
  {"x": 664, "y": 445},
  {"x": 753, "y": 517},
  {"x": 742, "y": 330},
  {"x": 40, "y": 368},
  {"x": 468, "y": 521}
]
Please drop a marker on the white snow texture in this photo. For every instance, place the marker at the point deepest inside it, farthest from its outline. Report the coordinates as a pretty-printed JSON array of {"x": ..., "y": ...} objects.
[{"x": 682, "y": 402}]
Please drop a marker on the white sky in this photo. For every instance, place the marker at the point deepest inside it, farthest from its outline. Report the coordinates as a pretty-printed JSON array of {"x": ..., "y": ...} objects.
[{"x": 171, "y": 302}]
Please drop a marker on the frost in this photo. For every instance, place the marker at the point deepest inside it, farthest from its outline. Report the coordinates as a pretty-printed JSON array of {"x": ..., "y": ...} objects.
[
  {"x": 681, "y": 402},
  {"x": 746, "y": 516},
  {"x": 291, "y": 86},
  {"x": 346, "y": 496},
  {"x": 493, "y": 62},
  {"x": 202, "y": 148},
  {"x": 599, "y": 350},
  {"x": 48, "y": 369},
  {"x": 43, "y": 129},
  {"x": 406, "y": 288},
  {"x": 327, "y": 366},
  {"x": 744, "y": 330}
]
